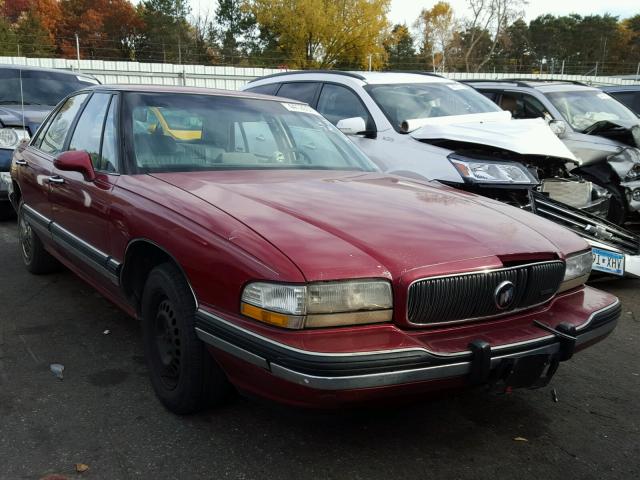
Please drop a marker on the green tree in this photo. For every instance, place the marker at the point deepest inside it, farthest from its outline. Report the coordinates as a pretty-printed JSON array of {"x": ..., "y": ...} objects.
[
  {"x": 8, "y": 40},
  {"x": 235, "y": 30},
  {"x": 399, "y": 48},
  {"x": 32, "y": 36},
  {"x": 515, "y": 48},
  {"x": 166, "y": 30}
]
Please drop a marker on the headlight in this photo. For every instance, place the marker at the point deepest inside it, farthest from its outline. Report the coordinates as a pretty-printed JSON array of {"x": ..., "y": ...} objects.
[
  {"x": 11, "y": 137},
  {"x": 321, "y": 304},
  {"x": 577, "y": 271},
  {"x": 489, "y": 171},
  {"x": 5, "y": 177}
]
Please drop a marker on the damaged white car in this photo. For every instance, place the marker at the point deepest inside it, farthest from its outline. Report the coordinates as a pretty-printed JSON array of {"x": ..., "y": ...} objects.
[{"x": 428, "y": 127}]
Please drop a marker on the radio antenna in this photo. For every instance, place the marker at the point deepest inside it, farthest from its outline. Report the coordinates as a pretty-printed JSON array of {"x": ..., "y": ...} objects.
[{"x": 24, "y": 129}]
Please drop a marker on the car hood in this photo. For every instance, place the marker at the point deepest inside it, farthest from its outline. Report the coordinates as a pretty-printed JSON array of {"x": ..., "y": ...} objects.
[
  {"x": 343, "y": 224},
  {"x": 11, "y": 116},
  {"x": 496, "y": 129}
]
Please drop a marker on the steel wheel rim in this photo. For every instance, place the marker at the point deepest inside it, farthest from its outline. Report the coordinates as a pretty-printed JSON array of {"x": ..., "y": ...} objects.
[
  {"x": 26, "y": 239},
  {"x": 167, "y": 344}
]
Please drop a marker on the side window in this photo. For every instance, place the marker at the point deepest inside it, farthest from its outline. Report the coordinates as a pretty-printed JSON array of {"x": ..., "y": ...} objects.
[
  {"x": 522, "y": 105},
  {"x": 316, "y": 145},
  {"x": 269, "y": 89},
  {"x": 533, "y": 108},
  {"x": 302, "y": 91},
  {"x": 493, "y": 96},
  {"x": 53, "y": 138},
  {"x": 88, "y": 133},
  {"x": 259, "y": 138},
  {"x": 337, "y": 103},
  {"x": 109, "y": 154},
  {"x": 630, "y": 99},
  {"x": 36, "y": 141}
]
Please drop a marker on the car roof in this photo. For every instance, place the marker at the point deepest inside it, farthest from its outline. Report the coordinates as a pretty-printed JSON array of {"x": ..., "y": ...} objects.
[
  {"x": 7, "y": 66},
  {"x": 184, "y": 90},
  {"x": 370, "y": 78},
  {"x": 542, "y": 85},
  {"x": 621, "y": 88}
]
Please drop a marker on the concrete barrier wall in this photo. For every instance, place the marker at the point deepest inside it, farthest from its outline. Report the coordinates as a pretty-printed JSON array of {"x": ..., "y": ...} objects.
[{"x": 226, "y": 77}]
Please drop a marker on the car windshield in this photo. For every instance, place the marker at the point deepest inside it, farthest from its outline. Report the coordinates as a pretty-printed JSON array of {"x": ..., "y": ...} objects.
[
  {"x": 38, "y": 87},
  {"x": 583, "y": 108},
  {"x": 216, "y": 132},
  {"x": 407, "y": 101}
]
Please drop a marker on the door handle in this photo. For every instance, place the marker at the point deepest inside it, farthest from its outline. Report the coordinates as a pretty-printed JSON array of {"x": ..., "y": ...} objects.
[
  {"x": 22, "y": 163},
  {"x": 56, "y": 179}
]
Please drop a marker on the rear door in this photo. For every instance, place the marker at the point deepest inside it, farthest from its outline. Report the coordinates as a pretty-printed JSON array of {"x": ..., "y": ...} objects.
[
  {"x": 35, "y": 164},
  {"x": 80, "y": 206}
]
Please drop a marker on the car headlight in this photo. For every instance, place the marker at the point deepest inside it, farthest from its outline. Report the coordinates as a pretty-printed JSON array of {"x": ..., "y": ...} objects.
[
  {"x": 11, "y": 137},
  {"x": 577, "y": 270},
  {"x": 493, "y": 172},
  {"x": 633, "y": 173},
  {"x": 319, "y": 304}
]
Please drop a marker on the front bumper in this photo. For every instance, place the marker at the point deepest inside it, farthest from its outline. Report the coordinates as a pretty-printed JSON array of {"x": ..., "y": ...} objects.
[
  {"x": 274, "y": 369},
  {"x": 595, "y": 230}
]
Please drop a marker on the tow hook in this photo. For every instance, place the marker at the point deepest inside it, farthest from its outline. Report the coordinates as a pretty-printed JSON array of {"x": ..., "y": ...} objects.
[
  {"x": 480, "y": 362},
  {"x": 565, "y": 333}
]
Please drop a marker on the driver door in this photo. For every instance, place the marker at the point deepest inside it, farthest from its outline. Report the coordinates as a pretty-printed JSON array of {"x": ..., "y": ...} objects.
[{"x": 80, "y": 206}]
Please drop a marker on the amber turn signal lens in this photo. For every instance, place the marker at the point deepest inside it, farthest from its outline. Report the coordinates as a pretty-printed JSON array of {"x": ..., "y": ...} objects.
[{"x": 272, "y": 318}]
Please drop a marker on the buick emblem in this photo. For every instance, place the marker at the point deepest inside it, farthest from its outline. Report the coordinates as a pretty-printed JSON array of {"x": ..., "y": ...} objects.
[{"x": 504, "y": 295}]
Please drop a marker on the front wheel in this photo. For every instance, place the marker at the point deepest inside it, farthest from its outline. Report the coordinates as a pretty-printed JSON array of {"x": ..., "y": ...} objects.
[{"x": 184, "y": 376}]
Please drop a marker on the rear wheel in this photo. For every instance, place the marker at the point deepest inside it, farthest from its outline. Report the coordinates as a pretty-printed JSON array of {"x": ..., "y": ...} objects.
[
  {"x": 34, "y": 256},
  {"x": 184, "y": 376}
]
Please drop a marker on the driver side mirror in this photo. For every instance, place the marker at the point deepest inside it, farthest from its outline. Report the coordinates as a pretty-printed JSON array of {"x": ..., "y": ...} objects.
[
  {"x": 352, "y": 126},
  {"x": 76, "y": 161}
]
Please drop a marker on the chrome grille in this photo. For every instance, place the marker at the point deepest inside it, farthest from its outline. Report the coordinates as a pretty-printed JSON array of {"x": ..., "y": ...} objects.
[
  {"x": 585, "y": 224},
  {"x": 469, "y": 296}
]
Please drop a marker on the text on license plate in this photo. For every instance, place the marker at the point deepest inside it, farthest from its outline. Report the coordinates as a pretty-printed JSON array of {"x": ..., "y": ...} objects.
[{"x": 607, "y": 261}]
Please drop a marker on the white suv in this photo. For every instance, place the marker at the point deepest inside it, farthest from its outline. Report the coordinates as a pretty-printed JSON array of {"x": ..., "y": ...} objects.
[{"x": 411, "y": 123}]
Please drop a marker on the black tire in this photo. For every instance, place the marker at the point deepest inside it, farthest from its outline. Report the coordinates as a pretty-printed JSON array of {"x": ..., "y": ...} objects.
[
  {"x": 6, "y": 211},
  {"x": 34, "y": 256},
  {"x": 184, "y": 376}
]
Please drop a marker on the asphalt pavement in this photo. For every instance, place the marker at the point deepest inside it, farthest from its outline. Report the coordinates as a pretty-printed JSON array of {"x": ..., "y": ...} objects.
[{"x": 103, "y": 413}]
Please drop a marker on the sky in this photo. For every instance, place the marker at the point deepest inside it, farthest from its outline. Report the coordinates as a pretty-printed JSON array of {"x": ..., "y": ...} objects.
[{"x": 406, "y": 11}]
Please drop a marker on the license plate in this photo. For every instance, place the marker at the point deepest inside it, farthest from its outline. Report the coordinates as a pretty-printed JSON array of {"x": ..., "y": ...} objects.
[{"x": 607, "y": 261}]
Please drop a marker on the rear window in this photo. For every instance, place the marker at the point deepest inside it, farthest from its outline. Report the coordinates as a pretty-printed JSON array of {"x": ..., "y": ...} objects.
[{"x": 38, "y": 87}]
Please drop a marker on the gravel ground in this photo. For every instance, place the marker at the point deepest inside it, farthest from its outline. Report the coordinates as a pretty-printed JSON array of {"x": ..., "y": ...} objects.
[{"x": 104, "y": 413}]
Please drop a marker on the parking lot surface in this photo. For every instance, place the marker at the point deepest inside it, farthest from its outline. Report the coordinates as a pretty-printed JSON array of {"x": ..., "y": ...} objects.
[{"x": 103, "y": 413}]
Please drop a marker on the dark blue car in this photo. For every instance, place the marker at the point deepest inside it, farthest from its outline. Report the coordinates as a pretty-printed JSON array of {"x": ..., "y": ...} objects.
[
  {"x": 628, "y": 94},
  {"x": 27, "y": 95}
]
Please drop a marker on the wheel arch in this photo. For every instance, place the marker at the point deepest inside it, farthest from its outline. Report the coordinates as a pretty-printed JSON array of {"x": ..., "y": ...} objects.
[{"x": 141, "y": 256}]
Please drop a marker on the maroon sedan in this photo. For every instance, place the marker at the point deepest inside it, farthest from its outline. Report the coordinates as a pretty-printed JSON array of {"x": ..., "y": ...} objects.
[{"x": 261, "y": 249}]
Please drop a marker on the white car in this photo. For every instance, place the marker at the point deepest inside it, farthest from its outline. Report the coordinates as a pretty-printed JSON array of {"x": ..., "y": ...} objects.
[{"x": 428, "y": 127}]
